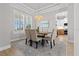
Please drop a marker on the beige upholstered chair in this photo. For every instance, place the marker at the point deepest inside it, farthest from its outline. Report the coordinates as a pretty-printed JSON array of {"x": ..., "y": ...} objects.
[
  {"x": 52, "y": 37},
  {"x": 34, "y": 37},
  {"x": 55, "y": 33},
  {"x": 27, "y": 32}
]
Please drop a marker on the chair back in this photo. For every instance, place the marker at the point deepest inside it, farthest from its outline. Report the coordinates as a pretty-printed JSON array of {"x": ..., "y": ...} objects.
[
  {"x": 27, "y": 32},
  {"x": 54, "y": 34},
  {"x": 33, "y": 34}
]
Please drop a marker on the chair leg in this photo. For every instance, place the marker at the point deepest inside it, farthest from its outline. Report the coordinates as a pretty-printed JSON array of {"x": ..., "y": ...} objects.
[
  {"x": 47, "y": 41},
  {"x": 43, "y": 42},
  {"x": 50, "y": 44},
  {"x": 26, "y": 41},
  {"x": 36, "y": 45},
  {"x": 30, "y": 42},
  {"x": 54, "y": 42}
]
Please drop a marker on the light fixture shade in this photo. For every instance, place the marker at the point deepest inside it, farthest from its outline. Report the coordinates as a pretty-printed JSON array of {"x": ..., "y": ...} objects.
[{"x": 38, "y": 18}]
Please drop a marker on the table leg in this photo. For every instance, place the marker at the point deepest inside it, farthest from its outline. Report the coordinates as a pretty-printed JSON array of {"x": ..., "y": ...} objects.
[
  {"x": 26, "y": 41},
  {"x": 47, "y": 41}
]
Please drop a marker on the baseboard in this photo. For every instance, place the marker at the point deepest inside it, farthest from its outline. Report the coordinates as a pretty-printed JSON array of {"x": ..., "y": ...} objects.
[{"x": 5, "y": 47}]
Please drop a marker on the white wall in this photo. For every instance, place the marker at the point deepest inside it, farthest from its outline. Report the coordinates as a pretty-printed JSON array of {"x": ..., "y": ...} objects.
[
  {"x": 17, "y": 35},
  {"x": 33, "y": 22},
  {"x": 7, "y": 14},
  {"x": 5, "y": 26},
  {"x": 71, "y": 23},
  {"x": 76, "y": 28}
]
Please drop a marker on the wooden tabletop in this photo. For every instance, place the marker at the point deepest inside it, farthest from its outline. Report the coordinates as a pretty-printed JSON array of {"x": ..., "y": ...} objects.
[{"x": 42, "y": 34}]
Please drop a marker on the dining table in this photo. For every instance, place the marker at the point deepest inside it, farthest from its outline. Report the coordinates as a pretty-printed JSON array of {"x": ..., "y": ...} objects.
[{"x": 42, "y": 35}]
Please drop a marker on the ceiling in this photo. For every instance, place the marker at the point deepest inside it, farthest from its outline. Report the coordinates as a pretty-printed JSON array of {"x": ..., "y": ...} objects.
[{"x": 39, "y": 6}]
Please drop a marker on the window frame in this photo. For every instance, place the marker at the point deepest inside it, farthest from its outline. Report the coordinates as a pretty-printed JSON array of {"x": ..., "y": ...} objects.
[{"x": 22, "y": 17}]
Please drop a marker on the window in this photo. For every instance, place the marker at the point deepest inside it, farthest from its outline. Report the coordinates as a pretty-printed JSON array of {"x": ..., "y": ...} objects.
[
  {"x": 18, "y": 22},
  {"x": 44, "y": 24},
  {"x": 21, "y": 21},
  {"x": 28, "y": 22}
]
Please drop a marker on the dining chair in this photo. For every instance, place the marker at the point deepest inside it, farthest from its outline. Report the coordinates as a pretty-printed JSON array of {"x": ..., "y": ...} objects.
[
  {"x": 52, "y": 37},
  {"x": 34, "y": 37},
  {"x": 27, "y": 32}
]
